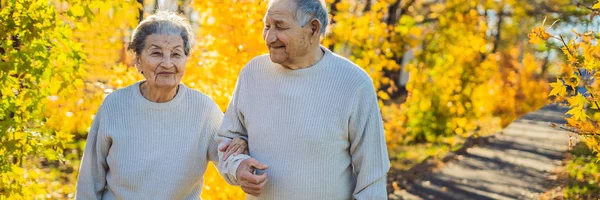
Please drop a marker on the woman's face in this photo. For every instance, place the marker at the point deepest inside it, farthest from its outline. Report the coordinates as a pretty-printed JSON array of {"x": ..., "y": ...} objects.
[{"x": 162, "y": 61}]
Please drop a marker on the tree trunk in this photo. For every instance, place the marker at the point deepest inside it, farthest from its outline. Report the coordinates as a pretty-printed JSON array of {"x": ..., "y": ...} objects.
[{"x": 141, "y": 11}]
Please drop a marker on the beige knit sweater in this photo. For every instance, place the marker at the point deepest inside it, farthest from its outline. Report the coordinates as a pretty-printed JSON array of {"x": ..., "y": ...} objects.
[{"x": 319, "y": 129}]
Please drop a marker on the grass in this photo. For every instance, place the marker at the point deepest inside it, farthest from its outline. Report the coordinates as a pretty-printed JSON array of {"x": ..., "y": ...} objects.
[
  {"x": 583, "y": 170},
  {"x": 579, "y": 178}
]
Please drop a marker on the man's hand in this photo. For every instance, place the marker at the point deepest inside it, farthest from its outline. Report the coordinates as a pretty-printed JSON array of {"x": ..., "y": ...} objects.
[
  {"x": 234, "y": 147},
  {"x": 251, "y": 184}
]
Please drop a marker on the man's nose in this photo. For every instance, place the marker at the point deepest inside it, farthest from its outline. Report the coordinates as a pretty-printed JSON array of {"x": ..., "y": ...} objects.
[{"x": 270, "y": 37}]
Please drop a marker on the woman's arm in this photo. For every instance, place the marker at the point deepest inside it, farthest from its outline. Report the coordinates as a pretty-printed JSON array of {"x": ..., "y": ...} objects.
[
  {"x": 219, "y": 146},
  {"x": 92, "y": 171}
]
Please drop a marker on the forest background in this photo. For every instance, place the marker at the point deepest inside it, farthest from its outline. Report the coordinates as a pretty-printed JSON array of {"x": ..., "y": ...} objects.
[{"x": 444, "y": 70}]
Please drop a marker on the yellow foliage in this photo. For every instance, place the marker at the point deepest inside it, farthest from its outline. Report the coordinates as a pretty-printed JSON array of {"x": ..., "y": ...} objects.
[
  {"x": 580, "y": 73},
  {"x": 460, "y": 82}
]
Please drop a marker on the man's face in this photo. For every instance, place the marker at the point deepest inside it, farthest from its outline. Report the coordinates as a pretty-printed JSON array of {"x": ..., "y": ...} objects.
[{"x": 286, "y": 39}]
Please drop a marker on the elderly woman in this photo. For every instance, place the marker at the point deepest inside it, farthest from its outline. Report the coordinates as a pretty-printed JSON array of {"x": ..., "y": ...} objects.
[{"x": 153, "y": 139}]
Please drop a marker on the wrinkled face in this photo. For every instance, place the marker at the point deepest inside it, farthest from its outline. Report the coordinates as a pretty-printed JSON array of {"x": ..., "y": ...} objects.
[
  {"x": 286, "y": 39},
  {"x": 162, "y": 60}
]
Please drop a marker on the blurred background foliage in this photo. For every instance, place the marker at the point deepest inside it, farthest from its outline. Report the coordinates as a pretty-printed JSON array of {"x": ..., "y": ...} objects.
[{"x": 444, "y": 71}]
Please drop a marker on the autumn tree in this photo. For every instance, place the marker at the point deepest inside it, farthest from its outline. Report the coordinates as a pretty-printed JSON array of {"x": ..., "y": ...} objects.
[
  {"x": 577, "y": 86},
  {"x": 469, "y": 65},
  {"x": 38, "y": 60}
]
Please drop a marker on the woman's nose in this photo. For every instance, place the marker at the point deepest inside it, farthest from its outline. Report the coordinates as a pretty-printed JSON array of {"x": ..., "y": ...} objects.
[{"x": 167, "y": 61}]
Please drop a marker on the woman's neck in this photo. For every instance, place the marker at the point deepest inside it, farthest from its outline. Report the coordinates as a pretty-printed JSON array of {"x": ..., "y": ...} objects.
[{"x": 156, "y": 94}]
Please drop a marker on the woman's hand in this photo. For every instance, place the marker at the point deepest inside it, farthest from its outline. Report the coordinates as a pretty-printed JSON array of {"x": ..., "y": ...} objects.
[{"x": 234, "y": 147}]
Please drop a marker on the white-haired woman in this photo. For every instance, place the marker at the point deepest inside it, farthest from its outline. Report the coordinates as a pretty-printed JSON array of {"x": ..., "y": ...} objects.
[{"x": 153, "y": 139}]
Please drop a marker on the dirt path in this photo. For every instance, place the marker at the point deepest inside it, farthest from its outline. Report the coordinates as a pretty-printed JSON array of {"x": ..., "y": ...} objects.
[{"x": 515, "y": 164}]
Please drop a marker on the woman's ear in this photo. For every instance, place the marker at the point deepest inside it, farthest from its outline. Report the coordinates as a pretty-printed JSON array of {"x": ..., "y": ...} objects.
[{"x": 136, "y": 63}]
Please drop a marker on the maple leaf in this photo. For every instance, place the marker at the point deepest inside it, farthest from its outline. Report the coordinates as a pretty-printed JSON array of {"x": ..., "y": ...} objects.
[
  {"x": 558, "y": 89},
  {"x": 577, "y": 101},
  {"x": 578, "y": 113}
]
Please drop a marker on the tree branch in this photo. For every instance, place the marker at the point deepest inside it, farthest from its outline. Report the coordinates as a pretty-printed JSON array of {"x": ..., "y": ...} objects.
[
  {"x": 578, "y": 70},
  {"x": 572, "y": 130},
  {"x": 367, "y": 6},
  {"x": 579, "y": 4}
]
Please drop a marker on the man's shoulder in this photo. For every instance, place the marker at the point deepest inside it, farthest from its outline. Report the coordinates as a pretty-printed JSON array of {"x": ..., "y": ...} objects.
[
  {"x": 257, "y": 63},
  {"x": 350, "y": 70},
  {"x": 261, "y": 59}
]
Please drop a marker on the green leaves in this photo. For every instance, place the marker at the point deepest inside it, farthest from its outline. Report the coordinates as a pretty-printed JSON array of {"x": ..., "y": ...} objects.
[{"x": 37, "y": 54}]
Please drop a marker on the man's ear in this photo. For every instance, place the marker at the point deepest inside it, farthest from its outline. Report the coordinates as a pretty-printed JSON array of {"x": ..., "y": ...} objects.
[{"x": 315, "y": 26}]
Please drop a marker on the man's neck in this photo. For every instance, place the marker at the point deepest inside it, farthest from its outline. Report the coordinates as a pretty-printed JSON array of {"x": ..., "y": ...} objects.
[{"x": 308, "y": 60}]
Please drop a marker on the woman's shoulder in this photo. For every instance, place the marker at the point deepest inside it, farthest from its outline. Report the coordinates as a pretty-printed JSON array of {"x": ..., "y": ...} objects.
[
  {"x": 199, "y": 99},
  {"x": 119, "y": 97}
]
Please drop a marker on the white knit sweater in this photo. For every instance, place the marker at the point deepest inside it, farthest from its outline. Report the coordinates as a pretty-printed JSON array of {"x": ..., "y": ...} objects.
[
  {"x": 138, "y": 149},
  {"x": 319, "y": 129}
]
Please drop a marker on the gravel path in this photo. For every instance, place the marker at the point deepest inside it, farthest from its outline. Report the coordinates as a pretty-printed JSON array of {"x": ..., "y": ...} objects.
[{"x": 515, "y": 164}]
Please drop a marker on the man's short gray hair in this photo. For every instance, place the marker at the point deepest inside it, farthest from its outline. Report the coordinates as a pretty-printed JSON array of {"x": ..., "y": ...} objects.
[
  {"x": 161, "y": 23},
  {"x": 307, "y": 10}
]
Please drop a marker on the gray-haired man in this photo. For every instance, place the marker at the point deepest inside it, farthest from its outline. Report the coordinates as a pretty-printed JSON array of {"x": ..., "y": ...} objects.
[{"x": 309, "y": 114}]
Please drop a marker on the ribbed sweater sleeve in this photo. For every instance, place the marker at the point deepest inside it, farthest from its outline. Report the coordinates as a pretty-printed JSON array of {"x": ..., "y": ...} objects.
[
  {"x": 367, "y": 145},
  {"x": 232, "y": 127},
  {"x": 92, "y": 174}
]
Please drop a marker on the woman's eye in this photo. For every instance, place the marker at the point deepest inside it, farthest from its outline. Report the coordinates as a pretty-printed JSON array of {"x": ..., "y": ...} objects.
[
  {"x": 267, "y": 27},
  {"x": 155, "y": 54},
  {"x": 176, "y": 55}
]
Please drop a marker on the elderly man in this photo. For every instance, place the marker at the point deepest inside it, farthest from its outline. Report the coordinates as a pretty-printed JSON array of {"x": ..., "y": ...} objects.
[{"x": 310, "y": 116}]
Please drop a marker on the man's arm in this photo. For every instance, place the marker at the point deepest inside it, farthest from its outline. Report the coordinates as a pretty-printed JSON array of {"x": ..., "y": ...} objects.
[
  {"x": 232, "y": 126},
  {"x": 367, "y": 145},
  {"x": 239, "y": 169}
]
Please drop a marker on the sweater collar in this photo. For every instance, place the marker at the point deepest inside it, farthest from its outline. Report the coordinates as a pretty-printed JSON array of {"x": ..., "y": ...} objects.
[
  {"x": 327, "y": 55},
  {"x": 137, "y": 94}
]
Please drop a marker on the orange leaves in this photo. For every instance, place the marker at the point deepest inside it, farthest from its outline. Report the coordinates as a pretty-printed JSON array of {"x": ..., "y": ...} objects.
[{"x": 538, "y": 35}]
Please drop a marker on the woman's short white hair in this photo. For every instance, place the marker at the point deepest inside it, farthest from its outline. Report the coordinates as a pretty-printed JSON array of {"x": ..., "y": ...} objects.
[{"x": 161, "y": 23}]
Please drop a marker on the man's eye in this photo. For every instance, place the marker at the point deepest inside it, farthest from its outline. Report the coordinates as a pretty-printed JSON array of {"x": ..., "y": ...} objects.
[
  {"x": 267, "y": 27},
  {"x": 155, "y": 54}
]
